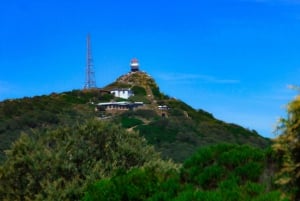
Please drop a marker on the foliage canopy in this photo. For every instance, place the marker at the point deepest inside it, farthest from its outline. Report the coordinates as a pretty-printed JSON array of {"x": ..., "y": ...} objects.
[
  {"x": 216, "y": 173},
  {"x": 59, "y": 164},
  {"x": 287, "y": 148}
]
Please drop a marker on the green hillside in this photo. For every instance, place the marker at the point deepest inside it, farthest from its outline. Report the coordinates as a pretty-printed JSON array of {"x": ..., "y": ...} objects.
[
  {"x": 180, "y": 130},
  {"x": 44, "y": 112},
  {"x": 67, "y": 147},
  {"x": 177, "y": 132}
]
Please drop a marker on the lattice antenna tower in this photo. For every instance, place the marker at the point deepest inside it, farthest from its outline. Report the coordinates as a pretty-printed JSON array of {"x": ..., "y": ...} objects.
[{"x": 90, "y": 81}]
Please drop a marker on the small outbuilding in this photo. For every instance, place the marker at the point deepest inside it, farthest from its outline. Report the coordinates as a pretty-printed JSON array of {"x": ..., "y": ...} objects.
[
  {"x": 122, "y": 93},
  {"x": 123, "y": 105}
]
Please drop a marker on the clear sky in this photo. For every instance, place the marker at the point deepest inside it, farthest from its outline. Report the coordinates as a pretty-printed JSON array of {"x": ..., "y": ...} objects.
[{"x": 232, "y": 58}]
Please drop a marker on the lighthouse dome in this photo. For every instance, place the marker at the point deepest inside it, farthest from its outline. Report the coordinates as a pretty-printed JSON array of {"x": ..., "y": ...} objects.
[{"x": 134, "y": 65}]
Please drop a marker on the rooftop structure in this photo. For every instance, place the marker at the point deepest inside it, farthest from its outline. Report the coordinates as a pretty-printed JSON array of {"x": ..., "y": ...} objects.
[{"x": 134, "y": 65}]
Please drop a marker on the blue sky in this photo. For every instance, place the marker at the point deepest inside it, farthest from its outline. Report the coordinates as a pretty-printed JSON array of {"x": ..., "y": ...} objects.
[{"x": 232, "y": 58}]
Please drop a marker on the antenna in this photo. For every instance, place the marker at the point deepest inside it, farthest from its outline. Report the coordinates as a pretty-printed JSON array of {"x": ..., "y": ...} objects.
[{"x": 90, "y": 81}]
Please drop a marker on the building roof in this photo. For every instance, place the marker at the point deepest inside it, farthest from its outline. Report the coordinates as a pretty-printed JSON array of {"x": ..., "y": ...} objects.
[{"x": 121, "y": 103}]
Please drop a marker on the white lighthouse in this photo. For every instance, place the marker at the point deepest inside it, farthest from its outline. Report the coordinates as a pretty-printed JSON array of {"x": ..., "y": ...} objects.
[{"x": 134, "y": 65}]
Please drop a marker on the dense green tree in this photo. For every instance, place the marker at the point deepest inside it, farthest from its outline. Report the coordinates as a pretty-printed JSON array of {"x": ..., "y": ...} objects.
[
  {"x": 59, "y": 164},
  {"x": 217, "y": 173},
  {"x": 212, "y": 164},
  {"x": 138, "y": 184},
  {"x": 287, "y": 148}
]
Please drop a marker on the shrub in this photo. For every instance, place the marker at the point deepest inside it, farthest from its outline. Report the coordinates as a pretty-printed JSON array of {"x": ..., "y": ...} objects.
[
  {"x": 139, "y": 91},
  {"x": 61, "y": 163},
  {"x": 130, "y": 122}
]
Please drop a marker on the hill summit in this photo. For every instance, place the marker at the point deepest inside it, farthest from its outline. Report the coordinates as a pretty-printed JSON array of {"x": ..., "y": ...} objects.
[
  {"x": 137, "y": 81},
  {"x": 174, "y": 128}
]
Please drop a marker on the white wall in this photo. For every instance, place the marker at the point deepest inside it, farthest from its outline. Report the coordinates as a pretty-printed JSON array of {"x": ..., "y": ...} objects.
[{"x": 122, "y": 93}]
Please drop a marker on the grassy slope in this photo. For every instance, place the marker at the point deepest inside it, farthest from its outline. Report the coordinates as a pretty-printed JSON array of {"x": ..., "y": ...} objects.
[
  {"x": 42, "y": 112},
  {"x": 177, "y": 136},
  {"x": 184, "y": 129}
]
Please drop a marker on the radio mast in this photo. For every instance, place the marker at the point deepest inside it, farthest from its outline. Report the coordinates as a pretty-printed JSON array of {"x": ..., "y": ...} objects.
[{"x": 90, "y": 81}]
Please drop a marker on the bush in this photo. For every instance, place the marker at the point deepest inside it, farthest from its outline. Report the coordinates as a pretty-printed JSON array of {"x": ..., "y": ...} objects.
[
  {"x": 156, "y": 92},
  {"x": 158, "y": 131},
  {"x": 130, "y": 122},
  {"x": 221, "y": 161},
  {"x": 137, "y": 184},
  {"x": 147, "y": 114},
  {"x": 212, "y": 182},
  {"x": 61, "y": 163},
  {"x": 139, "y": 91},
  {"x": 106, "y": 97},
  {"x": 287, "y": 149}
]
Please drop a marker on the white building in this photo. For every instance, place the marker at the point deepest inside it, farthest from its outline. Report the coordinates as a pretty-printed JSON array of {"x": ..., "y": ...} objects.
[
  {"x": 122, "y": 93},
  {"x": 123, "y": 105}
]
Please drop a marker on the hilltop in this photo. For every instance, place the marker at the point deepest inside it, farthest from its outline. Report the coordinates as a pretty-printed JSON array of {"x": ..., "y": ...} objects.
[{"x": 175, "y": 129}]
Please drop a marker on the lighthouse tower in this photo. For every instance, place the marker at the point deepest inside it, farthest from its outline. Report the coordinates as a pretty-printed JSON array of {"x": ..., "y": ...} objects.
[{"x": 134, "y": 65}]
